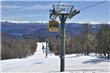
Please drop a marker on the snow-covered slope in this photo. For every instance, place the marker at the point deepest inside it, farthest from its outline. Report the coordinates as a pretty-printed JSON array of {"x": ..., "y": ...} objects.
[{"x": 38, "y": 63}]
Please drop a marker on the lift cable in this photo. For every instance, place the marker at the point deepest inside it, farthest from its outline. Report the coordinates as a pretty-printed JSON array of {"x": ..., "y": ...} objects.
[{"x": 92, "y": 5}]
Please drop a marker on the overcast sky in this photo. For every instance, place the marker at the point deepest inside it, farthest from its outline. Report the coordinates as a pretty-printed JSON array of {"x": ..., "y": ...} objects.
[{"x": 38, "y": 10}]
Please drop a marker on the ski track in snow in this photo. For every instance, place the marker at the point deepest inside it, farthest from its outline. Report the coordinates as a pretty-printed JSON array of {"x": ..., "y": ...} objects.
[{"x": 37, "y": 63}]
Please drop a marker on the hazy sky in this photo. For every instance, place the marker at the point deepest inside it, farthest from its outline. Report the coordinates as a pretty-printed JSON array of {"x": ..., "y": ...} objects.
[{"x": 38, "y": 10}]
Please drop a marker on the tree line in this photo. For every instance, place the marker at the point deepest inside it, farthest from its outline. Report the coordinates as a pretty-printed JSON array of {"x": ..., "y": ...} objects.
[
  {"x": 85, "y": 42},
  {"x": 16, "y": 47}
]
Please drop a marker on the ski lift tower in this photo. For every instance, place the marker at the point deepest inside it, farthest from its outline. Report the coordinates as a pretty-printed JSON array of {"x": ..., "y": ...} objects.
[{"x": 63, "y": 12}]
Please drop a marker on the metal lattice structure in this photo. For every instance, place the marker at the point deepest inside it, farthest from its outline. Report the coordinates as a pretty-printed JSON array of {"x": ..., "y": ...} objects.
[{"x": 67, "y": 10}]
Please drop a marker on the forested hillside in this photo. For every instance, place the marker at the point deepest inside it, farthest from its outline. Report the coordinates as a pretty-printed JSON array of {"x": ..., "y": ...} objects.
[
  {"x": 19, "y": 39},
  {"x": 16, "y": 47},
  {"x": 85, "y": 42}
]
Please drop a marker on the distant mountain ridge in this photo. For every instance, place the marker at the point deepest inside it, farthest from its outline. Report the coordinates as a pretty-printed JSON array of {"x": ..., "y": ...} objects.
[{"x": 40, "y": 29}]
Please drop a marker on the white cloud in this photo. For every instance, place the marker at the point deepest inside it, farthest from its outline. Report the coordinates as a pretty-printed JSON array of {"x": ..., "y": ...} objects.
[
  {"x": 15, "y": 21},
  {"x": 91, "y": 22},
  {"x": 25, "y": 7},
  {"x": 37, "y": 7},
  {"x": 24, "y": 21},
  {"x": 69, "y": 21},
  {"x": 52, "y": 0},
  {"x": 11, "y": 7}
]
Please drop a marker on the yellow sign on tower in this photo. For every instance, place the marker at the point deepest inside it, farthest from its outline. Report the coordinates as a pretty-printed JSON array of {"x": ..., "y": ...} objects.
[{"x": 53, "y": 26}]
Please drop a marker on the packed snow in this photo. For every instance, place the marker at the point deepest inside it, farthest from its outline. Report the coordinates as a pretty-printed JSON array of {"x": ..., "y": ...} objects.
[{"x": 39, "y": 63}]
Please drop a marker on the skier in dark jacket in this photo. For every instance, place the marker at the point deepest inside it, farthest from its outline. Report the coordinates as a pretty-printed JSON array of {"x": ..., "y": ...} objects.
[{"x": 43, "y": 48}]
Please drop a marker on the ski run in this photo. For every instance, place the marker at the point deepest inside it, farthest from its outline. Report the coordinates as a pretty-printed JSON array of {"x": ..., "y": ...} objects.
[{"x": 38, "y": 63}]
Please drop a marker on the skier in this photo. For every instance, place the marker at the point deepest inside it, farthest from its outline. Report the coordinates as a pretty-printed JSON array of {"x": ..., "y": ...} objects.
[
  {"x": 46, "y": 51},
  {"x": 43, "y": 48}
]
